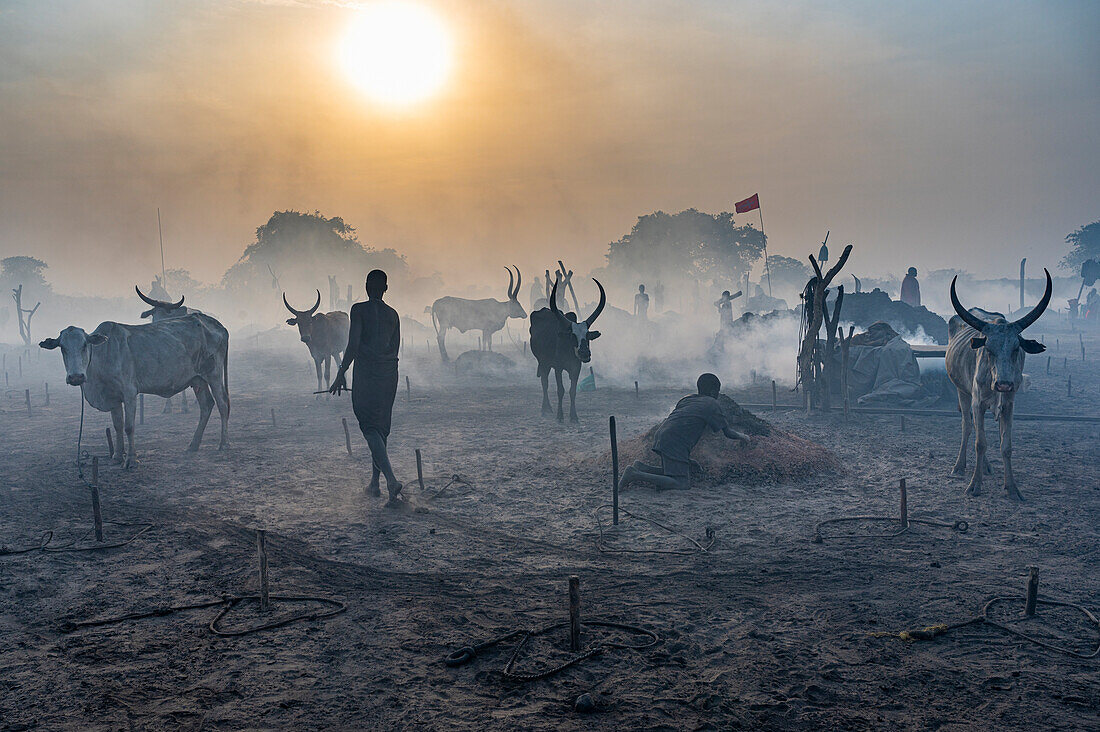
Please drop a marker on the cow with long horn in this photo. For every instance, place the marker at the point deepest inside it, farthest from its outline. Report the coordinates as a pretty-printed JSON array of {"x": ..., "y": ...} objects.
[
  {"x": 488, "y": 315},
  {"x": 162, "y": 309},
  {"x": 985, "y": 361},
  {"x": 326, "y": 335},
  {"x": 561, "y": 343}
]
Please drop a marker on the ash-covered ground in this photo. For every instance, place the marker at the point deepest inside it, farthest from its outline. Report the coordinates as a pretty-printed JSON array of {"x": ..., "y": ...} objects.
[{"x": 765, "y": 631}]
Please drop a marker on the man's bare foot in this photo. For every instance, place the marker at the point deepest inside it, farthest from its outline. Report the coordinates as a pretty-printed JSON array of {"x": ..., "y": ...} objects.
[{"x": 629, "y": 476}]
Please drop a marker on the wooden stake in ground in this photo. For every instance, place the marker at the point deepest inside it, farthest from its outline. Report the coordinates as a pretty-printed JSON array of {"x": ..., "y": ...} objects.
[
  {"x": 845, "y": 346},
  {"x": 408, "y": 389},
  {"x": 420, "y": 470},
  {"x": 48, "y": 387},
  {"x": 575, "y": 613},
  {"x": 97, "y": 513},
  {"x": 110, "y": 444},
  {"x": 27, "y": 393},
  {"x": 261, "y": 550},
  {"x": 1069, "y": 390},
  {"x": 1048, "y": 364},
  {"x": 273, "y": 416},
  {"x": 775, "y": 397},
  {"x": 1032, "y": 591},
  {"x": 141, "y": 409},
  {"x": 614, "y": 472},
  {"x": 637, "y": 394},
  {"x": 904, "y": 504},
  {"x": 1082, "y": 339},
  {"x": 347, "y": 435}
]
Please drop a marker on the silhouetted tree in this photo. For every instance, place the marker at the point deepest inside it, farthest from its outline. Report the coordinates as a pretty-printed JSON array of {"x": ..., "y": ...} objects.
[
  {"x": 304, "y": 249},
  {"x": 1084, "y": 245},
  {"x": 690, "y": 245}
]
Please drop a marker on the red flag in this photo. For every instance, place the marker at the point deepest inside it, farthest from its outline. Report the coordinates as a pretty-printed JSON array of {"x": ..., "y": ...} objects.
[{"x": 749, "y": 204}]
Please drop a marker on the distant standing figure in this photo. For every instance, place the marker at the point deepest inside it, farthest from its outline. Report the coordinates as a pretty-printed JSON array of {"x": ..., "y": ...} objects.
[
  {"x": 641, "y": 304},
  {"x": 678, "y": 435},
  {"x": 725, "y": 309},
  {"x": 373, "y": 344},
  {"x": 910, "y": 288}
]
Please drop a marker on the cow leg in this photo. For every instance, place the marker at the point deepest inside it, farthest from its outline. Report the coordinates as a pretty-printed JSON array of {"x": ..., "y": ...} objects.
[
  {"x": 317, "y": 365},
  {"x": 220, "y": 393},
  {"x": 573, "y": 397},
  {"x": 328, "y": 365},
  {"x": 561, "y": 394},
  {"x": 206, "y": 404},
  {"x": 487, "y": 337},
  {"x": 967, "y": 428},
  {"x": 546, "y": 408},
  {"x": 120, "y": 448},
  {"x": 1004, "y": 421},
  {"x": 977, "y": 411},
  {"x": 440, "y": 339},
  {"x": 167, "y": 406},
  {"x": 129, "y": 407}
]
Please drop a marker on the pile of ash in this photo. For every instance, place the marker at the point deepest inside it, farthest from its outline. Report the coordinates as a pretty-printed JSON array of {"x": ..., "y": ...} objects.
[{"x": 771, "y": 456}]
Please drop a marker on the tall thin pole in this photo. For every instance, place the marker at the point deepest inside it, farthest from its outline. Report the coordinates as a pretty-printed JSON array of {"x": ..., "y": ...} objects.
[
  {"x": 767, "y": 264},
  {"x": 160, "y": 235}
]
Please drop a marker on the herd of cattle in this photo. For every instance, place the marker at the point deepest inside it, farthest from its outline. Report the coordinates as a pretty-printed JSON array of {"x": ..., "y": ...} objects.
[{"x": 183, "y": 347}]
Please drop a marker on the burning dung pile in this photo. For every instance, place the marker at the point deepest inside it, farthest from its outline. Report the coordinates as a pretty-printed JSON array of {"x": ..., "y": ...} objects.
[{"x": 771, "y": 456}]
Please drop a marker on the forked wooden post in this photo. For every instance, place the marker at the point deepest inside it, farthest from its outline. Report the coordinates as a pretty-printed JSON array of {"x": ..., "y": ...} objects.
[
  {"x": 261, "y": 549},
  {"x": 420, "y": 470},
  {"x": 141, "y": 409},
  {"x": 1032, "y": 591},
  {"x": 575, "y": 613},
  {"x": 97, "y": 513},
  {"x": 904, "y": 504},
  {"x": 110, "y": 444},
  {"x": 614, "y": 472},
  {"x": 347, "y": 435}
]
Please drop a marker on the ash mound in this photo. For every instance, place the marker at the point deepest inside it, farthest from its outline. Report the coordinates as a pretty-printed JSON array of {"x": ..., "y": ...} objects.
[
  {"x": 484, "y": 363},
  {"x": 771, "y": 456},
  {"x": 866, "y": 308}
]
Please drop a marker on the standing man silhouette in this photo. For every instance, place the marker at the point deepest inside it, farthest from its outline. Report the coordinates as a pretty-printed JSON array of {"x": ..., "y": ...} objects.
[
  {"x": 641, "y": 304},
  {"x": 910, "y": 288},
  {"x": 373, "y": 344}
]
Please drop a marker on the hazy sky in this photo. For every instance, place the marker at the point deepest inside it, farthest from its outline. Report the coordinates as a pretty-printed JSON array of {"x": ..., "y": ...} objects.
[{"x": 950, "y": 134}]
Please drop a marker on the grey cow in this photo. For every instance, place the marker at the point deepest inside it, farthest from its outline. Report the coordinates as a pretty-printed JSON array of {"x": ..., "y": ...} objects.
[
  {"x": 985, "y": 361},
  {"x": 488, "y": 315},
  {"x": 116, "y": 362},
  {"x": 326, "y": 335}
]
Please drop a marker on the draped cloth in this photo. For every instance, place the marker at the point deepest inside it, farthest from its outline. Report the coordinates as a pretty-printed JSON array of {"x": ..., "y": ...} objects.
[{"x": 374, "y": 379}]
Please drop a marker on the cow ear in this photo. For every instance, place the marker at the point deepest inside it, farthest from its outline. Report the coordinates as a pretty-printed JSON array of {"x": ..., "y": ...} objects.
[
  {"x": 1031, "y": 346},
  {"x": 97, "y": 339},
  {"x": 147, "y": 313},
  {"x": 50, "y": 343},
  {"x": 593, "y": 335},
  {"x": 977, "y": 342},
  {"x": 292, "y": 321}
]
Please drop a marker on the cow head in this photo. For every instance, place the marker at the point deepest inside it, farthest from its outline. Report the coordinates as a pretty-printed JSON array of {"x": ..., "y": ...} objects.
[
  {"x": 515, "y": 310},
  {"x": 1003, "y": 341},
  {"x": 579, "y": 333},
  {"x": 76, "y": 351},
  {"x": 303, "y": 318},
  {"x": 160, "y": 309}
]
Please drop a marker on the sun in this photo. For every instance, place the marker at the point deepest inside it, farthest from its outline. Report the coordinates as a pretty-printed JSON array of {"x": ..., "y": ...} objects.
[{"x": 397, "y": 52}]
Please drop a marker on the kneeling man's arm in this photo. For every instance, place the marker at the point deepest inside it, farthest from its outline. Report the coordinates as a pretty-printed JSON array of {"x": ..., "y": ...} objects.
[{"x": 734, "y": 434}]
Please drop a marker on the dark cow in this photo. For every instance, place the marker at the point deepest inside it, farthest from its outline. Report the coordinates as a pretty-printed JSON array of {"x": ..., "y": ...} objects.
[
  {"x": 985, "y": 361},
  {"x": 164, "y": 310},
  {"x": 560, "y": 343},
  {"x": 326, "y": 334},
  {"x": 116, "y": 362}
]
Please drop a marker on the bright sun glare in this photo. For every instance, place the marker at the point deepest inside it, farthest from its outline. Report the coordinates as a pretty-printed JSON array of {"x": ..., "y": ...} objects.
[{"x": 397, "y": 52}]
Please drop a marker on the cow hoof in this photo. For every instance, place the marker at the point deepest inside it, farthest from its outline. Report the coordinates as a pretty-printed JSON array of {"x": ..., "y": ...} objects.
[
  {"x": 573, "y": 419},
  {"x": 223, "y": 446},
  {"x": 374, "y": 490},
  {"x": 973, "y": 490},
  {"x": 192, "y": 447},
  {"x": 1013, "y": 494},
  {"x": 561, "y": 418},
  {"x": 959, "y": 471},
  {"x": 129, "y": 464}
]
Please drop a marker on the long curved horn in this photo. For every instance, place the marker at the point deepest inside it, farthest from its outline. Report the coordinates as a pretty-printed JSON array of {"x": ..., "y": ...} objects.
[
  {"x": 316, "y": 305},
  {"x": 554, "y": 304},
  {"x": 519, "y": 281},
  {"x": 157, "y": 303},
  {"x": 1038, "y": 309},
  {"x": 511, "y": 281},
  {"x": 599, "y": 308},
  {"x": 296, "y": 313},
  {"x": 968, "y": 317}
]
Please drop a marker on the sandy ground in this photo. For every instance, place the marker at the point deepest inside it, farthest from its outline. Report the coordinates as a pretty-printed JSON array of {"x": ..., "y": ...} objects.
[{"x": 766, "y": 631}]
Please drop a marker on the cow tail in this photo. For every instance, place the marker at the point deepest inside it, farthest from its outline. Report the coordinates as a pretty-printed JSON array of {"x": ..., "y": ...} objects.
[
  {"x": 435, "y": 323},
  {"x": 225, "y": 374}
]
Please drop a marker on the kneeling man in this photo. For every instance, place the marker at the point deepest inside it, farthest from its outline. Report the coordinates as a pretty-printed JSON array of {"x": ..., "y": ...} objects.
[{"x": 678, "y": 435}]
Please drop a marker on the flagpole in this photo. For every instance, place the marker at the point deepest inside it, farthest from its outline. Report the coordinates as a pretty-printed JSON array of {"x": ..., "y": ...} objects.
[
  {"x": 160, "y": 235},
  {"x": 767, "y": 264}
]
